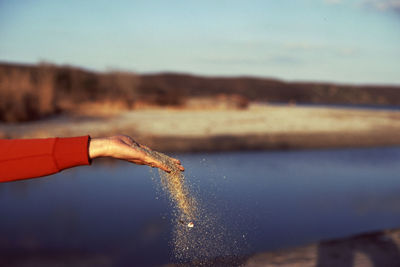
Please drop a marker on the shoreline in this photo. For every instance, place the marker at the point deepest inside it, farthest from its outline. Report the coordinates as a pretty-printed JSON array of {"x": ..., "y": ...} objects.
[
  {"x": 303, "y": 141},
  {"x": 377, "y": 248},
  {"x": 260, "y": 127},
  {"x": 369, "y": 249}
]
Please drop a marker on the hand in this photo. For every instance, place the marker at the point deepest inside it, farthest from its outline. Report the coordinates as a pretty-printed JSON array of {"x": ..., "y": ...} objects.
[{"x": 125, "y": 148}]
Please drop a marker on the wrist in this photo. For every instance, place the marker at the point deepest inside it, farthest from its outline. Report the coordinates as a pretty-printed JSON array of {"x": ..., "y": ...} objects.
[{"x": 98, "y": 147}]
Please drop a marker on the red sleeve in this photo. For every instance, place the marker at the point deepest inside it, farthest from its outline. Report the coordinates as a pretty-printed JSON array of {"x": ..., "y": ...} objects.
[{"x": 30, "y": 158}]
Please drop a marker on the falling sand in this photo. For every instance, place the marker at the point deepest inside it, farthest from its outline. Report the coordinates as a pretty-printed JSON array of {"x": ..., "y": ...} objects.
[{"x": 198, "y": 237}]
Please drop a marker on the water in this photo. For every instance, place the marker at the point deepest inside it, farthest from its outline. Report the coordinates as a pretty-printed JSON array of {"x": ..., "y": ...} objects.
[{"x": 114, "y": 214}]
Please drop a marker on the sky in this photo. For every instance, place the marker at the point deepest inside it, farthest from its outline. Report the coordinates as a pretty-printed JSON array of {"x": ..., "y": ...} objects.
[{"x": 342, "y": 41}]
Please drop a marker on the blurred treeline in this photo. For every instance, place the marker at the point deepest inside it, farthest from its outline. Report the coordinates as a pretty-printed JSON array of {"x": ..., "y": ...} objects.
[{"x": 29, "y": 92}]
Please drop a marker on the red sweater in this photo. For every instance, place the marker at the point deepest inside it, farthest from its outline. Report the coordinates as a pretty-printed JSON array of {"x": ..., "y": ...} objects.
[{"x": 30, "y": 158}]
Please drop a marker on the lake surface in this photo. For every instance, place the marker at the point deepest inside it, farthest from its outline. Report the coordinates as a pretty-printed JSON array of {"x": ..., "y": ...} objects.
[{"x": 115, "y": 213}]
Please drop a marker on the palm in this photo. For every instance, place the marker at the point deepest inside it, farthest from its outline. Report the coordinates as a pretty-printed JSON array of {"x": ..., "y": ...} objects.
[{"x": 125, "y": 148}]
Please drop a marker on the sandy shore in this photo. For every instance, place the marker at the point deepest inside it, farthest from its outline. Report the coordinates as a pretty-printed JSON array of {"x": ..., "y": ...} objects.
[{"x": 258, "y": 127}]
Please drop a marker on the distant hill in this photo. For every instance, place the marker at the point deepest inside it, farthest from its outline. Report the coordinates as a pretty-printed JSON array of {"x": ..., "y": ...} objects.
[
  {"x": 272, "y": 90},
  {"x": 32, "y": 91}
]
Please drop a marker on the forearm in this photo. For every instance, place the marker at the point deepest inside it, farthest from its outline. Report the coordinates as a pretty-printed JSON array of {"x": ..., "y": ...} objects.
[{"x": 30, "y": 158}]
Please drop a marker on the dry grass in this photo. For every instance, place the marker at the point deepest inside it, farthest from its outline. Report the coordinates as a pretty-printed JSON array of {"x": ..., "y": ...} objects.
[
  {"x": 26, "y": 94},
  {"x": 34, "y": 92}
]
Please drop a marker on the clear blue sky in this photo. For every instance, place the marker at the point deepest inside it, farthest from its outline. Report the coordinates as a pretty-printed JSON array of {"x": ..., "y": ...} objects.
[{"x": 355, "y": 41}]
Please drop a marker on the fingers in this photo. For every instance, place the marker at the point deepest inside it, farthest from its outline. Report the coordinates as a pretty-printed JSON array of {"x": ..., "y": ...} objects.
[
  {"x": 143, "y": 158},
  {"x": 159, "y": 165},
  {"x": 152, "y": 163},
  {"x": 181, "y": 167},
  {"x": 164, "y": 168},
  {"x": 178, "y": 163},
  {"x": 155, "y": 163}
]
